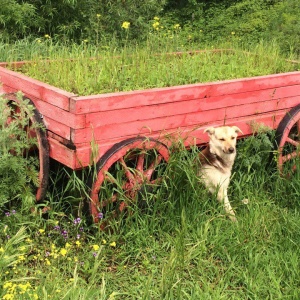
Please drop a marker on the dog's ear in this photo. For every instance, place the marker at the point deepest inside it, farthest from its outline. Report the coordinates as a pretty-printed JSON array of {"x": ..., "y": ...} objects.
[
  {"x": 210, "y": 130},
  {"x": 237, "y": 130}
]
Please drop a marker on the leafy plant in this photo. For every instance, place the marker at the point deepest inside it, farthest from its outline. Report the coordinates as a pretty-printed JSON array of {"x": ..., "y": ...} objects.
[
  {"x": 16, "y": 19},
  {"x": 17, "y": 167}
]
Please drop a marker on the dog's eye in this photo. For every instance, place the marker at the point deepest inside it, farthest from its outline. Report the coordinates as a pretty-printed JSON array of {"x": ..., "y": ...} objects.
[
  {"x": 222, "y": 140},
  {"x": 232, "y": 137}
]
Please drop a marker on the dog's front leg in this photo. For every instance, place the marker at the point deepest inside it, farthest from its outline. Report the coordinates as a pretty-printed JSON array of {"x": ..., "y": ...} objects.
[{"x": 222, "y": 197}]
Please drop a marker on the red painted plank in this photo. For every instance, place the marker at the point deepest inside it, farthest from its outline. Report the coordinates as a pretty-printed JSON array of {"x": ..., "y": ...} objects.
[
  {"x": 113, "y": 101},
  {"x": 62, "y": 154},
  {"x": 35, "y": 88},
  {"x": 169, "y": 122},
  {"x": 59, "y": 115},
  {"x": 187, "y": 107},
  {"x": 58, "y": 128}
]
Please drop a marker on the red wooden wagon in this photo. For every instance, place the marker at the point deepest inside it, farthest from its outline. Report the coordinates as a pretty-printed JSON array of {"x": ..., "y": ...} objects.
[{"x": 123, "y": 130}]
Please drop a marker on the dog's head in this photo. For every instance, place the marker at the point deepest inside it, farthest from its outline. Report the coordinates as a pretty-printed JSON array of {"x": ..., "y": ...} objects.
[{"x": 223, "y": 139}]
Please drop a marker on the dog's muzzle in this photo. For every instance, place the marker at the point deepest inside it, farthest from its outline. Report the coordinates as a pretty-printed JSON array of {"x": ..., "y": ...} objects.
[{"x": 229, "y": 150}]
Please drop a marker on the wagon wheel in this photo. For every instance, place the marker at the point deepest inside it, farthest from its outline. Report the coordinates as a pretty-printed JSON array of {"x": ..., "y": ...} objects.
[
  {"x": 41, "y": 149},
  {"x": 288, "y": 141},
  {"x": 124, "y": 174}
]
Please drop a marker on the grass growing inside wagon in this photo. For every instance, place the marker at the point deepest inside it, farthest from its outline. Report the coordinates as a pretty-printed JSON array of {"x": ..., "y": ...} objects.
[
  {"x": 136, "y": 68},
  {"x": 185, "y": 248}
]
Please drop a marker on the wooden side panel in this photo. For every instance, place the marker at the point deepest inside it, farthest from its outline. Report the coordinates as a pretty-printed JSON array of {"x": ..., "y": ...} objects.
[
  {"x": 146, "y": 112},
  {"x": 51, "y": 102},
  {"x": 189, "y": 135},
  {"x": 113, "y": 101},
  {"x": 36, "y": 88},
  {"x": 171, "y": 122}
]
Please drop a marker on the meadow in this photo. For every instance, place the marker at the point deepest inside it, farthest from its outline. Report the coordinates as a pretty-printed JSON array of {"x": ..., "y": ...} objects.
[{"x": 181, "y": 246}]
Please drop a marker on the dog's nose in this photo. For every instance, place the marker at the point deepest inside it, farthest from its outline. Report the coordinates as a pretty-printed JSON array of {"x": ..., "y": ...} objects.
[{"x": 231, "y": 150}]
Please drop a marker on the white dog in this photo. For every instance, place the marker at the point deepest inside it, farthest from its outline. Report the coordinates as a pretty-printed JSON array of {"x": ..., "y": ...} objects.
[{"x": 216, "y": 162}]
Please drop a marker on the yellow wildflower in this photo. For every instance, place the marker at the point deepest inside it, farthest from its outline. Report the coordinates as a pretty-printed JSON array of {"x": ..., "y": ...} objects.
[
  {"x": 24, "y": 286},
  {"x": 77, "y": 243},
  {"x": 68, "y": 245},
  {"x": 96, "y": 247},
  {"x": 21, "y": 257},
  {"x": 156, "y": 25},
  {"x": 98, "y": 15},
  {"x": 47, "y": 36},
  {"x": 125, "y": 25},
  {"x": 63, "y": 251},
  {"x": 8, "y": 297},
  {"x": 41, "y": 231},
  {"x": 48, "y": 263},
  {"x": 7, "y": 285},
  {"x": 104, "y": 242},
  {"x": 113, "y": 244},
  {"x": 156, "y": 18},
  {"x": 1, "y": 250},
  {"x": 177, "y": 26}
]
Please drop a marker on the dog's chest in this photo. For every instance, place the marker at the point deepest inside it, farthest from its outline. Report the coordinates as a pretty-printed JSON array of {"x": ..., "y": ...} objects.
[
  {"x": 214, "y": 171},
  {"x": 212, "y": 176}
]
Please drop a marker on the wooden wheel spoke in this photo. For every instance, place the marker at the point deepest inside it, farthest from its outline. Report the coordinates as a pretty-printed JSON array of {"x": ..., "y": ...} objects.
[
  {"x": 140, "y": 162},
  {"x": 109, "y": 178},
  {"x": 290, "y": 156},
  {"x": 113, "y": 199},
  {"x": 127, "y": 171},
  {"x": 292, "y": 142},
  {"x": 148, "y": 173}
]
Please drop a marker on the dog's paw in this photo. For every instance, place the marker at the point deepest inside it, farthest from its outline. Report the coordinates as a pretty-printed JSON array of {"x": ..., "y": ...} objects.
[{"x": 233, "y": 218}]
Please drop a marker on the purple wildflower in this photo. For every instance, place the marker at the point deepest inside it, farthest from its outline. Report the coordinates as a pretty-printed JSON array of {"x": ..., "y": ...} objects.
[
  {"x": 56, "y": 227},
  {"x": 94, "y": 254},
  {"x": 7, "y": 213},
  {"x": 100, "y": 215},
  {"x": 13, "y": 212},
  {"x": 64, "y": 233},
  {"x": 78, "y": 236},
  {"x": 77, "y": 221}
]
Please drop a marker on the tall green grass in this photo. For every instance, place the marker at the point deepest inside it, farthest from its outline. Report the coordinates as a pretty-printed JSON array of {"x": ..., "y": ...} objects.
[
  {"x": 86, "y": 70},
  {"x": 183, "y": 247}
]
